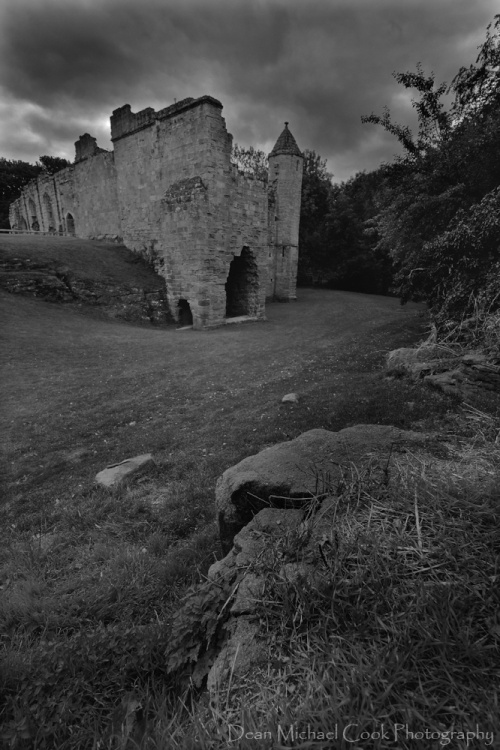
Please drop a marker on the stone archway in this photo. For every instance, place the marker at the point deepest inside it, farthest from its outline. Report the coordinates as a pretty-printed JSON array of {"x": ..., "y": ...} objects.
[
  {"x": 70, "y": 223},
  {"x": 33, "y": 217},
  {"x": 242, "y": 285},
  {"x": 47, "y": 204},
  {"x": 184, "y": 314}
]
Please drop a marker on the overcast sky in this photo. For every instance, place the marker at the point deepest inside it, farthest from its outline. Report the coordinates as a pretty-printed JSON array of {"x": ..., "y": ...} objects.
[{"x": 320, "y": 64}]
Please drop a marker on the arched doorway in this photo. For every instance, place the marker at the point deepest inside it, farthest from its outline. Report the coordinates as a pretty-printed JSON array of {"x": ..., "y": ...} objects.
[
  {"x": 70, "y": 224},
  {"x": 242, "y": 285},
  {"x": 33, "y": 217},
  {"x": 49, "y": 215},
  {"x": 19, "y": 220},
  {"x": 184, "y": 314}
]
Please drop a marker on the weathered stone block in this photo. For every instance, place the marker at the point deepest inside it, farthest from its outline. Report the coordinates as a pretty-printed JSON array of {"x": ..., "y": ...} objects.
[{"x": 112, "y": 475}]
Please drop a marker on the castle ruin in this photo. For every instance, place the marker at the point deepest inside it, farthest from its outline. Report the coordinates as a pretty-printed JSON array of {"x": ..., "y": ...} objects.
[{"x": 225, "y": 241}]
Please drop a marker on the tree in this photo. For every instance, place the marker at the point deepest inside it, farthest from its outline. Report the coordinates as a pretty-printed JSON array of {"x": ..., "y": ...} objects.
[
  {"x": 476, "y": 87},
  {"x": 250, "y": 160},
  {"x": 53, "y": 164},
  {"x": 356, "y": 262},
  {"x": 435, "y": 194},
  {"x": 315, "y": 203},
  {"x": 14, "y": 175},
  {"x": 434, "y": 123}
]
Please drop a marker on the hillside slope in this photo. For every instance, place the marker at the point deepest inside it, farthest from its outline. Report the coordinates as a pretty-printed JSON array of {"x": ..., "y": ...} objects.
[{"x": 93, "y": 275}]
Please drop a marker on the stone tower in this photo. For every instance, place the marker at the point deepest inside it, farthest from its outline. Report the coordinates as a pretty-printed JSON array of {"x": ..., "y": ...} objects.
[{"x": 285, "y": 183}]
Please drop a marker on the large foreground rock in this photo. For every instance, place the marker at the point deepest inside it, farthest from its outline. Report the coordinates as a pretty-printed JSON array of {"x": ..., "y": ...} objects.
[{"x": 287, "y": 475}]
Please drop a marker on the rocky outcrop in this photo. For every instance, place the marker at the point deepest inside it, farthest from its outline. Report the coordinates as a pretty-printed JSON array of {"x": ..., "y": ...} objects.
[
  {"x": 243, "y": 647},
  {"x": 55, "y": 282},
  {"x": 455, "y": 373},
  {"x": 288, "y": 475},
  {"x": 287, "y": 513},
  {"x": 294, "y": 545}
]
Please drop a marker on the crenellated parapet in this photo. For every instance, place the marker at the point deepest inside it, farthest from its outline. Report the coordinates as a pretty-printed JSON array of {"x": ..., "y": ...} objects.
[
  {"x": 86, "y": 147},
  {"x": 124, "y": 122}
]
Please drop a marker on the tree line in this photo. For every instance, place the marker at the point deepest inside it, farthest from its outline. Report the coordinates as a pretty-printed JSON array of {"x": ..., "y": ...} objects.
[
  {"x": 15, "y": 174},
  {"x": 425, "y": 227}
]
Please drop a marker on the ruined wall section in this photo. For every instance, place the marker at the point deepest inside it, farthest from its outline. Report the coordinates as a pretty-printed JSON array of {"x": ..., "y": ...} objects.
[
  {"x": 163, "y": 169},
  {"x": 44, "y": 202},
  {"x": 184, "y": 205},
  {"x": 95, "y": 199},
  {"x": 248, "y": 227},
  {"x": 234, "y": 221},
  {"x": 138, "y": 171},
  {"x": 80, "y": 200},
  {"x": 196, "y": 217},
  {"x": 66, "y": 199}
]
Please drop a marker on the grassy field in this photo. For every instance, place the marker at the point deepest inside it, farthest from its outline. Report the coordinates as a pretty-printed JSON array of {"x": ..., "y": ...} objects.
[{"x": 91, "y": 578}]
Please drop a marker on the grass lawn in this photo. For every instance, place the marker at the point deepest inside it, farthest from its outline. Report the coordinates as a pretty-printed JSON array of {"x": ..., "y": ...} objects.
[{"x": 91, "y": 578}]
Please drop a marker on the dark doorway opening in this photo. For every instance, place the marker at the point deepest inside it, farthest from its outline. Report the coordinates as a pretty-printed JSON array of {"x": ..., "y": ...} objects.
[
  {"x": 184, "y": 314},
  {"x": 70, "y": 224},
  {"x": 242, "y": 285}
]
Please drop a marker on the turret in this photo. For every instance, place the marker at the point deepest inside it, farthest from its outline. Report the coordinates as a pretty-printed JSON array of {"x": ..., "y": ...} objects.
[{"x": 285, "y": 183}]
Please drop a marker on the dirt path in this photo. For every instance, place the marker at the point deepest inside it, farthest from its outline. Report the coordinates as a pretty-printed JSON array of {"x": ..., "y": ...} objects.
[{"x": 80, "y": 393}]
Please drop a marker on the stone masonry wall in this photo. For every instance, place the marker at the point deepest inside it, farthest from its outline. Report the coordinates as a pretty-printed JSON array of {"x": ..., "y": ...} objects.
[
  {"x": 95, "y": 200},
  {"x": 39, "y": 206},
  {"x": 285, "y": 176},
  {"x": 187, "y": 205},
  {"x": 86, "y": 191},
  {"x": 170, "y": 191}
]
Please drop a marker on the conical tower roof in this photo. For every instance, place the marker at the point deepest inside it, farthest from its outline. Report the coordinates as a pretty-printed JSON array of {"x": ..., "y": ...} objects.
[{"x": 286, "y": 144}]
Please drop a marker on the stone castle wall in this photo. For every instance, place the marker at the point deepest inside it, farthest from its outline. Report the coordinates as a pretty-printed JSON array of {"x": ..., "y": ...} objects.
[{"x": 223, "y": 240}]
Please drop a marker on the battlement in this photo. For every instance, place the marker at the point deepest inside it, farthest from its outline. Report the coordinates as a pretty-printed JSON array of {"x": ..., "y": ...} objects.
[
  {"x": 124, "y": 122},
  {"x": 86, "y": 147}
]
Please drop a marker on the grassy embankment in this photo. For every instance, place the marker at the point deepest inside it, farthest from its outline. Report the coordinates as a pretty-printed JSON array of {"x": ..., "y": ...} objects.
[{"x": 91, "y": 579}]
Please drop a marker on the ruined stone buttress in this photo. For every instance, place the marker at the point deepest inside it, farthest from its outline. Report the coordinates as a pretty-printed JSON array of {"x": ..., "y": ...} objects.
[{"x": 225, "y": 241}]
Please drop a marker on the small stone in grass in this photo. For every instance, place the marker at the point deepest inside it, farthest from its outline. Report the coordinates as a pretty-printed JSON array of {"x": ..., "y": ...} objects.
[{"x": 114, "y": 474}]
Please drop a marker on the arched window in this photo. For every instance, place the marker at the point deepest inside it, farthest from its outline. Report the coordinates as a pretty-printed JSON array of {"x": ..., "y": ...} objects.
[
  {"x": 47, "y": 204},
  {"x": 19, "y": 220},
  {"x": 33, "y": 217}
]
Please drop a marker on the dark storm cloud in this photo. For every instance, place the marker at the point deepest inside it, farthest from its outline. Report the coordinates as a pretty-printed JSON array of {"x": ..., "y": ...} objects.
[{"x": 320, "y": 64}]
